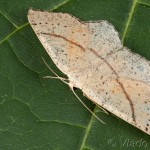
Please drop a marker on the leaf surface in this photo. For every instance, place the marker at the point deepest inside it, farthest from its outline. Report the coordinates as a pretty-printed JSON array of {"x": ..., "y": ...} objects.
[{"x": 43, "y": 114}]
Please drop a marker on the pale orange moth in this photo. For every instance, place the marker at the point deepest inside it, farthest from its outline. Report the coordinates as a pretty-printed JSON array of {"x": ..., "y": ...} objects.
[{"x": 95, "y": 61}]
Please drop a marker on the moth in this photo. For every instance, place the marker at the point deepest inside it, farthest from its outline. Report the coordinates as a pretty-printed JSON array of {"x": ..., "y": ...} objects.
[{"x": 92, "y": 56}]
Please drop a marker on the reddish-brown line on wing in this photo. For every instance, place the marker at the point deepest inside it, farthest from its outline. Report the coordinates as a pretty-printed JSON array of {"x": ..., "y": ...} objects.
[
  {"x": 129, "y": 99},
  {"x": 72, "y": 42},
  {"x": 121, "y": 85}
]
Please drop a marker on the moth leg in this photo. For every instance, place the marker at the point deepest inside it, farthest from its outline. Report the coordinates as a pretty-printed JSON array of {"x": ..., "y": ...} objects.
[
  {"x": 96, "y": 104},
  {"x": 47, "y": 77},
  {"x": 71, "y": 85},
  {"x": 84, "y": 104}
]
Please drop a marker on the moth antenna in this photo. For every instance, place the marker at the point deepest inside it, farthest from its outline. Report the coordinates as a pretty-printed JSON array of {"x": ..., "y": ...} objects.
[
  {"x": 86, "y": 106},
  {"x": 71, "y": 87},
  {"x": 57, "y": 76}
]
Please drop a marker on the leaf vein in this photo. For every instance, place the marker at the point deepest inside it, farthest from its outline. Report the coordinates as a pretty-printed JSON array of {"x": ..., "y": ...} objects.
[
  {"x": 129, "y": 20},
  {"x": 8, "y": 19}
]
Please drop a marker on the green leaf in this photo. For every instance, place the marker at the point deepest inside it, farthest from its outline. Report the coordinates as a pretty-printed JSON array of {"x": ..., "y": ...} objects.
[{"x": 43, "y": 114}]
